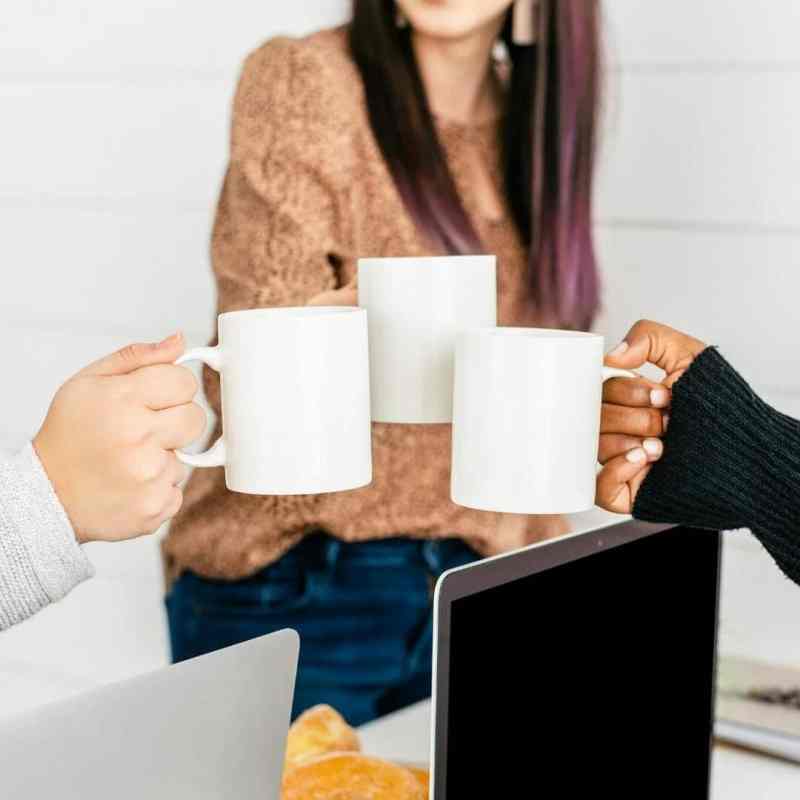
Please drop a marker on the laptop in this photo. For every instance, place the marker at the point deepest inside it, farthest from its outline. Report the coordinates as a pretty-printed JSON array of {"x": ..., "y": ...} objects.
[
  {"x": 579, "y": 667},
  {"x": 211, "y": 727}
]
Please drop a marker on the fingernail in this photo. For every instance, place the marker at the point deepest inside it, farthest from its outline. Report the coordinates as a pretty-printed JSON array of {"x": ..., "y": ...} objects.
[
  {"x": 637, "y": 456},
  {"x": 619, "y": 349},
  {"x": 659, "y": 398},
  {"x": 665, "y": 422},
  {"x": 170, "y": 340},
  {"x": 653, "y": 447}
]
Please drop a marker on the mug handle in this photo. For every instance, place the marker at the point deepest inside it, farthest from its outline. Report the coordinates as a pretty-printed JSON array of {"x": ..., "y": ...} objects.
[{"x": 215, "y": 455}]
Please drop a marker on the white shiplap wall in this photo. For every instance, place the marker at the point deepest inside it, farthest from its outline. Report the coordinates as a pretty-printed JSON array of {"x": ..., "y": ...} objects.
[
  {"x": 112, "y": 145},
  {"x": 699, "y": 215},
  {"x": 699, "y": 223}
]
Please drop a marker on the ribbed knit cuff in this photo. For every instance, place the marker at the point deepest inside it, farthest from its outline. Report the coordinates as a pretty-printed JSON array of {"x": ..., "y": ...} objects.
[
  {"x": 730, "y": 461},
  {"x": 40, "y": 559}
]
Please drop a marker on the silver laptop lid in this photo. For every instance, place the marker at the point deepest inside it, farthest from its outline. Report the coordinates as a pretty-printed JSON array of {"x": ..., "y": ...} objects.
[{"x": 212, "y": 727}]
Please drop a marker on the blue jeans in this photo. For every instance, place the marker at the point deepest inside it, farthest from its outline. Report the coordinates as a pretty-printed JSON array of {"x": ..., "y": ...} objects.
[{"x": 363, "y": 612}]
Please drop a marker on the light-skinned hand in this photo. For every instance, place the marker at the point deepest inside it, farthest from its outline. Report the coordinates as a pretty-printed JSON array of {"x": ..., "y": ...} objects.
[
  {"x": 108, "y": 439},
  {"x": 636, "y": 411},
  {"x": 346, "y": 296}
]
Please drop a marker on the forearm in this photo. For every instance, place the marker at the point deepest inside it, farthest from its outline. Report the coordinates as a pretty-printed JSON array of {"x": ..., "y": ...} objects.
[
  {"x": 40, "y": 559},
  {"x": 730, "y": 461}
]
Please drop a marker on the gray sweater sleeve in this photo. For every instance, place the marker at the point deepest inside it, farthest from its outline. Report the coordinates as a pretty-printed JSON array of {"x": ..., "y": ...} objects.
[{"x": 40, "y": 559}]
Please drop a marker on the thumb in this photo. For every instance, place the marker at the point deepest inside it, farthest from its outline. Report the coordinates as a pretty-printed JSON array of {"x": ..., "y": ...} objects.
[
  {"x": 346, "y": 296},
  {"x": 349, "y": 295},
  {"x": 133, "y": 356},
  {"x": 631, "y": 353},
  {"x": 669, "y": 349}
]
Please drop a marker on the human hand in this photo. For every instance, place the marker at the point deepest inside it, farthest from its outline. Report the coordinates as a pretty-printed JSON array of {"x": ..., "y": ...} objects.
[
  {"x": 635, "y": 411},
  {"x": 108, "y": 439},
  {"x": 346, "y": 296}
]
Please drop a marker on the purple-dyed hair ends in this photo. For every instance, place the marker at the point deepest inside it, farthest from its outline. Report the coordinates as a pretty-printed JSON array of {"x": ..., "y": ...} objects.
[{"x": 549, "y": 137}]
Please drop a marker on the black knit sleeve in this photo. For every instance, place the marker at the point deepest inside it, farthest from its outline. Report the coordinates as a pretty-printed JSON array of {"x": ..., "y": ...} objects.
[{"x": 730, "y": 461}]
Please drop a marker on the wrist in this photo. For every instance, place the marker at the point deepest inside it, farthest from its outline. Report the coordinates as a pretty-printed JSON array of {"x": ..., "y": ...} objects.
[
  {"x": 715, "y": 422},
  {"x": 59, "y": 481}
]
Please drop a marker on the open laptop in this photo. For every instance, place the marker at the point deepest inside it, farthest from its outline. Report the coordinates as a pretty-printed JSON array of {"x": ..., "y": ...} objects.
[
  {"x": 212, "y": 727},
  {"x": 580, "y": 667}
]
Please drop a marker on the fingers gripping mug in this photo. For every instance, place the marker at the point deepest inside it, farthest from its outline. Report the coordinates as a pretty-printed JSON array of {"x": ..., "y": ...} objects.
[
  {"x": 295, "y": 400},
  {"x": 526, "y": 419}
]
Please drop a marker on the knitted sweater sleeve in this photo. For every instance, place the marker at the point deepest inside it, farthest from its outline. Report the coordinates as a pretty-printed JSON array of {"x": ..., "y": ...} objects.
[
  {"x": 730, "y": 461},
  {"x": 278, "y": 228},
  {"x": 40, "y": 559},
  {"x": 279, "y": 234}
]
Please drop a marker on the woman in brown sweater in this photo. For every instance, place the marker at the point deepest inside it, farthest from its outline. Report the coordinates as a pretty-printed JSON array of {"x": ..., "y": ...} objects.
[{"x": 420, "y": 128}]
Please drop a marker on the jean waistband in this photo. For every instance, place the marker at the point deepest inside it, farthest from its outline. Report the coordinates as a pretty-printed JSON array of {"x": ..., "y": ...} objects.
[{"x": 435, "y": 555}]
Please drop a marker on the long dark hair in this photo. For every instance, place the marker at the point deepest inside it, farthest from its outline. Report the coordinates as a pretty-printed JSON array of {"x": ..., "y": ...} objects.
[{"x": 548, "y": 144}]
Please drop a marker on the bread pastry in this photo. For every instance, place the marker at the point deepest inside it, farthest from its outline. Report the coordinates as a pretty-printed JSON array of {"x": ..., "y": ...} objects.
[
  {"x": 423, "y": 776},
  {"x": 351, "y": 776},
  {"x": 323, "y": 763},
  {"x": 317, "y": 731}
]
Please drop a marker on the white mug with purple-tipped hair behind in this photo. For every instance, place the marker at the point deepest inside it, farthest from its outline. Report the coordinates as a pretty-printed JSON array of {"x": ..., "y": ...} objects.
[{"x": 416, "y": 307}]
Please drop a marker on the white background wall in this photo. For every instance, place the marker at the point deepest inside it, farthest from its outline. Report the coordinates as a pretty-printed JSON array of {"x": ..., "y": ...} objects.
[{"x": 112, "y": 145}]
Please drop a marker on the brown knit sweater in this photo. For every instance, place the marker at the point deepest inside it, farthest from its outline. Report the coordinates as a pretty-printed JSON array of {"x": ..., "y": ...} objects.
[{"x": 306, "y": 194}]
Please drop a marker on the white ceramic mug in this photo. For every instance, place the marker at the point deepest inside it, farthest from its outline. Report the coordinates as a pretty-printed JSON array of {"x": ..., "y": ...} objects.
[
  {"x": 416, "y": 308},
  {"x": 526, "y": 419},
  {"x": 295, "y": 400}
]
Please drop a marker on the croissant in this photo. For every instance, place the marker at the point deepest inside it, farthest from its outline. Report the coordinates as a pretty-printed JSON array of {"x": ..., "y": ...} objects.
[
  {"x": 317, "y": 731},
  {"x": 351, "y": 776}
]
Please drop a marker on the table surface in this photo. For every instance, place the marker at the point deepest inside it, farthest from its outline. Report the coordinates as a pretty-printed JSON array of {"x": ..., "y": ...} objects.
[{"x": 736, "y": 774}]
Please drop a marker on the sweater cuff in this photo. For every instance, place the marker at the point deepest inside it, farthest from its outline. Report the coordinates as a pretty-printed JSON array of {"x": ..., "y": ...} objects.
[
  {"x": 730, "y": 461},
  {"x": 40, "y": 558}
]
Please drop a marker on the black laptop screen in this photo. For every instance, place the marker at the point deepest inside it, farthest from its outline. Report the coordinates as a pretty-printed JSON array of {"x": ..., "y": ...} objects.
[{"x": 590, "y": 679}]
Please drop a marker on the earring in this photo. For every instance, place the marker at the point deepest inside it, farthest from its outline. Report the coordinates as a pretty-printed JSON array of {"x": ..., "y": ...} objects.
[
  {"x": 524, "y": 23},
  {"x": 500, "y": 52},
  {"x": 400, "y": 19}
]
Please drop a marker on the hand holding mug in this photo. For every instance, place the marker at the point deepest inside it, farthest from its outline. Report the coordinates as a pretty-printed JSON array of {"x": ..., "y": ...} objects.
[
  {"x": 636, "y": 412},
  {"x": 346, "y": 296},
  {"x": 108, "y": 439}
]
